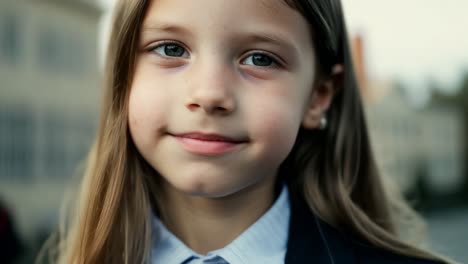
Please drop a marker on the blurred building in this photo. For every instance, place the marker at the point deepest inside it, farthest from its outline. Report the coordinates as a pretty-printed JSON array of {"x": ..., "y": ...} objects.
[
  {"x": 443, "y": 143},
  {"x": 395, "y": 131},
  {"x": 49, "y": 99},
  {"x": 411, "y": 145}
]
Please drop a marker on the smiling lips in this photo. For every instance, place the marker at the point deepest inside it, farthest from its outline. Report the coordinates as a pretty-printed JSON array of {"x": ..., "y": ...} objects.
[{"x": 207, "y": 144}]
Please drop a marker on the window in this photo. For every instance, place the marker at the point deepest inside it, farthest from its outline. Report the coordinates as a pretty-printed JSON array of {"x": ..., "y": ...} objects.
[
  {"x": 67, "y": 139},
  {"x": 55, "y": 156},
  {"x": 61, "y": 51},
  {"x": 10, "y": 39},
  {"x": 61, "y": 144},
  {"x": 49, "y": 53},
  {"x": 16, "y": 143}
]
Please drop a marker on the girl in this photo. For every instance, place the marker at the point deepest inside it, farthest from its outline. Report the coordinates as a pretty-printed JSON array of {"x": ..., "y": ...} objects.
[{"x": 233, "y": 132}]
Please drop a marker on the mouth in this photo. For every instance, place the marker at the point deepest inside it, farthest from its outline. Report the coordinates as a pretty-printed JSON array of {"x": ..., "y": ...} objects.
[{"x": 208, "y": 144}]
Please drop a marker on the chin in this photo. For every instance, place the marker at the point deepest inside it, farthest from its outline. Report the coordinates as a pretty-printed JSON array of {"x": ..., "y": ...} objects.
[
  {"x": 196, "y": 188},
  {"x": 203, "y": 186}
]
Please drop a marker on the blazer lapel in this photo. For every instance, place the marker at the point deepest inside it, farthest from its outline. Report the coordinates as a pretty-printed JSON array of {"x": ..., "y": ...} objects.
[{"x": 313, "y": 241}]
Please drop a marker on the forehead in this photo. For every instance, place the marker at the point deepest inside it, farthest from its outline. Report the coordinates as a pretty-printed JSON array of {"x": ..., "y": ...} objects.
[
  {"x": 207, "y": 7},
  {"x": 228, "y": 16}
]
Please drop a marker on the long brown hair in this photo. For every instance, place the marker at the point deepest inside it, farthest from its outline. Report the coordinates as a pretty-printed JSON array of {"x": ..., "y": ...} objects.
[{"x": 332, "y": 169}]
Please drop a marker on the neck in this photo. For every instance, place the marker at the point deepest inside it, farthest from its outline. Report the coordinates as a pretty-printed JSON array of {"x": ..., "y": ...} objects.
[{"x": 207, "y": 224}]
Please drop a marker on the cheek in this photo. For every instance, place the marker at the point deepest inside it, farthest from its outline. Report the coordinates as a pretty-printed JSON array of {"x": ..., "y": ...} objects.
[
  {"x": 280, "y": 126},
  {"x": 275, "y": 121},
  {"x": 146, "y": 108}
]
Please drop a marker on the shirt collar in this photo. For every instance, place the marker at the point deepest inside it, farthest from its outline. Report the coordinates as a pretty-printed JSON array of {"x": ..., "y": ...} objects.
[{"x": 266, "y": 239}]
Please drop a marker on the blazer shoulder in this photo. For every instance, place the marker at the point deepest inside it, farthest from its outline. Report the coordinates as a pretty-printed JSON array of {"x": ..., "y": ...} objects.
[
  {"x": 312, "y": 238},
  {"x": 365, "y": 253}
]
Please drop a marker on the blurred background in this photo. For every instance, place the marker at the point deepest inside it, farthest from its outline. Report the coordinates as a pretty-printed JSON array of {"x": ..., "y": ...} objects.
[{"x": 412, "y": 64}]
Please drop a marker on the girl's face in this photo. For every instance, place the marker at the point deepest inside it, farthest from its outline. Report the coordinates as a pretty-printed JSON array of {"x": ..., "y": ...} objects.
[{"x": 220, "y": 90}]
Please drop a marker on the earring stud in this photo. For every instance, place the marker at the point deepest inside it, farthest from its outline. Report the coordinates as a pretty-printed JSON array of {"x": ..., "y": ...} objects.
[{"x": 323, "y": 123}]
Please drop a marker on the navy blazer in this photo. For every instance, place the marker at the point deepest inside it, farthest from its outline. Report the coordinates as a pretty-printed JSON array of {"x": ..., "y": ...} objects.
[{"x": 313, "y": 241}]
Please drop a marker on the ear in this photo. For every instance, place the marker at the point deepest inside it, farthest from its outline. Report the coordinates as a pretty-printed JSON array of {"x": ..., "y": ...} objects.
[{"x": 321, "y": 98}]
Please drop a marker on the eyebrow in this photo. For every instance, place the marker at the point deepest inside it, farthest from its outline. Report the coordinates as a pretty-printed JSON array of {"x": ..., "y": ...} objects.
[
  {"x": 165, "y": 27},
  {"x": 271, "y": 39}
]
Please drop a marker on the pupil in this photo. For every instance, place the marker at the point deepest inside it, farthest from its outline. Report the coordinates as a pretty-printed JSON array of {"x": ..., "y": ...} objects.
[
  {"x": 174, "y": 50},
  {"x": 261, "y": 60}
]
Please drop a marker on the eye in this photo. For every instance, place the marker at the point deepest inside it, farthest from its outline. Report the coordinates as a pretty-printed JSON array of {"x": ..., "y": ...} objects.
[
  {"x": 170, "y": 50},
  {"x": 259, "y": 59}
]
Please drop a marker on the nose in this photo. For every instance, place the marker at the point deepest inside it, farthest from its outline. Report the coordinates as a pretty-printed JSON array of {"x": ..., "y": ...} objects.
[{"x": 210, "y": 90}]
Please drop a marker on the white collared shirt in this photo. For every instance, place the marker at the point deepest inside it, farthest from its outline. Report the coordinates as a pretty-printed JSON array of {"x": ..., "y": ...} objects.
[{"x": 265, "y": 241}]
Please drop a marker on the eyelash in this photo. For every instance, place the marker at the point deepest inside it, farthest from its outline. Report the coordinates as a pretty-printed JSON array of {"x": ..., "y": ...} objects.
[
  {"x": 275, "y": 61},
  {"x": 160, "y": 44}
]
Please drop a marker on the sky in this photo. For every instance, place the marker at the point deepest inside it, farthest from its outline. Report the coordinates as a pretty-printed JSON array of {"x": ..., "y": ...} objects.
[{"x": 412, "y": 41}]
